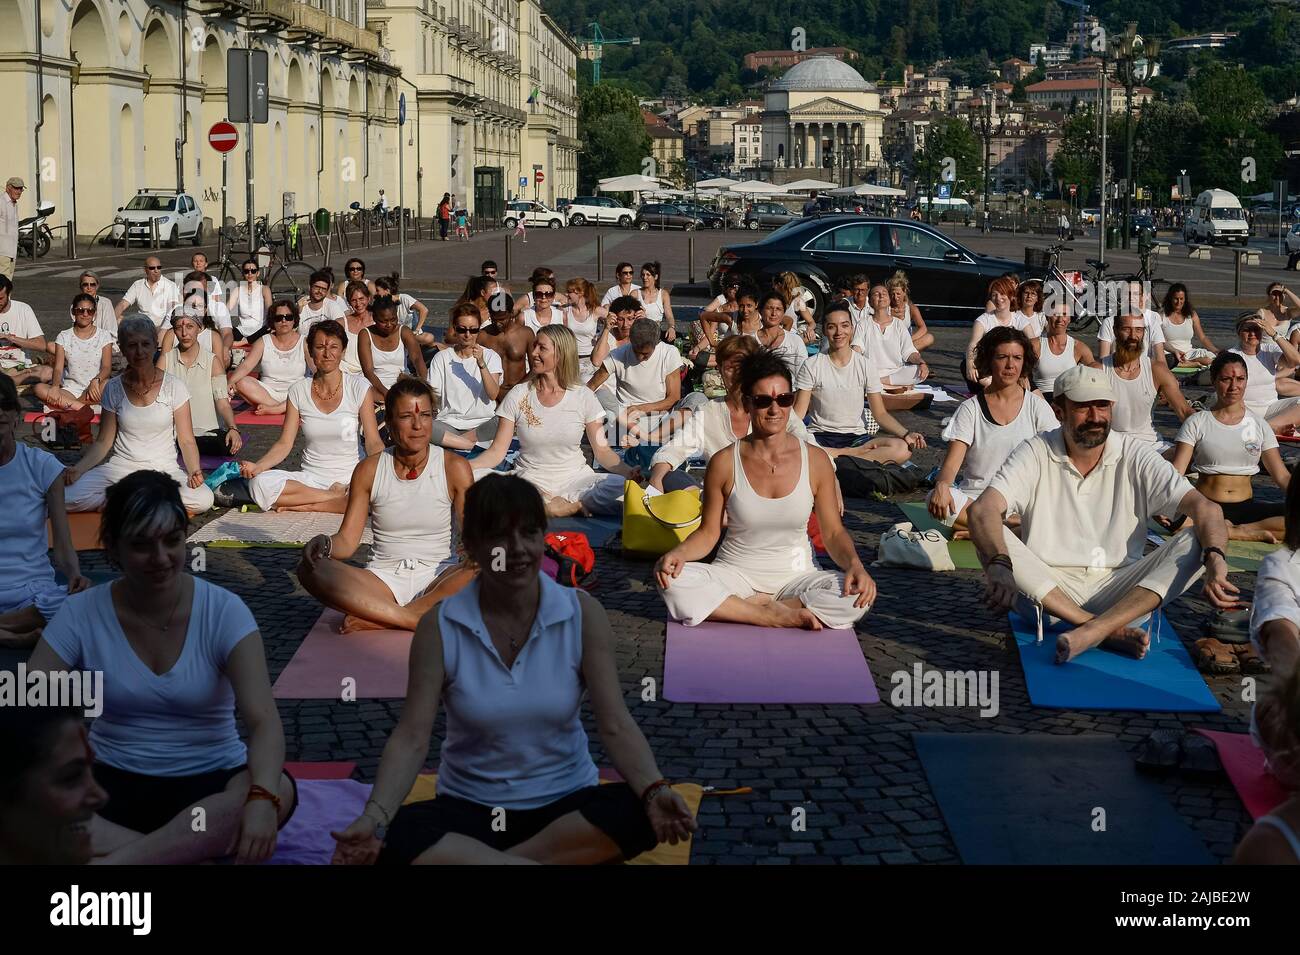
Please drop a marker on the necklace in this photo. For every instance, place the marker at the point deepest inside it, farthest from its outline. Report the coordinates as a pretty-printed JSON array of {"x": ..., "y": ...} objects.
[
  {"x": 163, "y": 628},
  {"x": 138, "y": 392},
  {"x": 412, "y": 470},
  {"x": 766, "y": 461},
  {"x": 330, "y": 396}
]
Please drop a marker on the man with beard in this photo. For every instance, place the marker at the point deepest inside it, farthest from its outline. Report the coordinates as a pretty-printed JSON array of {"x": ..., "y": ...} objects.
[
  {"x": 1084, "y": 494},
  {"x": 507, "y": 335},
  {"x": 1135, "y": 301},
  {"x": 1136, "y": 380}
]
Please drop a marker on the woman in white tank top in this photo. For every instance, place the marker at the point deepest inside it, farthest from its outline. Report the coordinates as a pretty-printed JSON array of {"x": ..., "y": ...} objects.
[
  {"x": 249, "y": 302},
  {"x": 409, "y": 494},
  {"x": 282, "y": 358},
  {"x": 655, "y": 302},
  {"x": 1056, "y": 351},
  {"x": 767, "y": 483},
  {"x": 357, "y": 318},
  {"x": 388, "y": 349},
  {"x": 1179, "y": 322},
  {"x": 585, "y": 317}
]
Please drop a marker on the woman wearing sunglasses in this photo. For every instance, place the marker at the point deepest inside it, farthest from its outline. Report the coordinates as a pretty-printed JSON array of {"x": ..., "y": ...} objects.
[
  {"x": 1282, "y": 311},
  {"x": 354, "y": 271},
  {"x": 767, "y": 484},
  {"x": 282, "y": 358},
  {"x": 623, "y": 273},
  {"x": 105, "y": 318},
  {"x": 248, "y": 304},
  {"x": 83, "y": 360},
  {"x": 466, "y": 383}
]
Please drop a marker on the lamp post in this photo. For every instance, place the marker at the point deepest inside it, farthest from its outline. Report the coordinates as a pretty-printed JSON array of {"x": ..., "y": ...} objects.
[
  {"x": 1134, "y": 63},
  {"x": 986, "y": 119}
]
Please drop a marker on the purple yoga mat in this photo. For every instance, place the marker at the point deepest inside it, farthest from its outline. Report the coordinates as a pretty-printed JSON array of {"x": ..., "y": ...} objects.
[
  {"x": 323, "y": 805},
  {"x": 736, "y": 663}
]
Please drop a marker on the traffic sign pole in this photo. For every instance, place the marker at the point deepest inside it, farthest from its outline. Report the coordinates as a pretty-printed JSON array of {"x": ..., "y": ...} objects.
[
  {"x": 223, "y": 137},
  {"x": 401, "y": 188}
]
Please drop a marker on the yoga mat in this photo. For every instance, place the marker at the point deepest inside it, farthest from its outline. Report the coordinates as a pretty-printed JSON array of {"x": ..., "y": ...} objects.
[
  {"x": 1032, "y": 800},
  {"x": 301, "y": 771},
  {"x": 375, "y": 659},
  {"x": 324, "y": 805},
  {"x": 1259, "y": 790},
  {"x": 1164, "y": 681},
  {"x": 598, "y": 529},
  {"x": 269, "y": 529},
  {"x": 1289, "y": 438},
  {"x": 737, "y": 663},
  {"x": 33, "y": 416},
  {"x": 1243, "y": 556},
  {"x": 84, "y": 528},
  {"x": 962, "y": 552},
  {"x": 426, "y": 787},
  {"x": 247, "y": 417}
]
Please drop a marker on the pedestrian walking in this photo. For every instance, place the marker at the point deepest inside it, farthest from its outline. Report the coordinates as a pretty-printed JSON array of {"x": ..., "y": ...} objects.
[
  {"x": 9, "y": 225},
  {"x": 520, "y": 231},
  {"x": 444, "y": 216},
  {"x": 1063, "y": 227}
]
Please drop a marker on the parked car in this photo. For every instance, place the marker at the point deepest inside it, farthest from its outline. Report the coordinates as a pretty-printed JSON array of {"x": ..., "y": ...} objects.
[
  {"x": 768, "y": 215},
  {"x": 599, "y": 210},
  {"x": 1141, "y": 223},
  {"x": 665, "y": 215},
  {"x": 1293, "y": 239},
  {"x": 711, "y": 218},
  {"x": 948, "y": 280},
  {"x": 533, "y": 213},
  {"x": 178, "y": 215}
]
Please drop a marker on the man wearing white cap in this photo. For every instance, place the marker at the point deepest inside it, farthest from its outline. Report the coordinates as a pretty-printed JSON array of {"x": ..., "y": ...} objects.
[
  {"x": 1084, "y": 494},
  {"x": 9, "y": 225}
]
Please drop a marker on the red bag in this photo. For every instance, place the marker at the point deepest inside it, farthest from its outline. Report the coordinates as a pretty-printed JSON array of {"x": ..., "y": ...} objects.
[{"x": 574, "y": 558}]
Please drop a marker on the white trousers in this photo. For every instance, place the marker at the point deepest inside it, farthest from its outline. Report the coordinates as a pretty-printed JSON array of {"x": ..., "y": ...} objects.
[
  {"x": 90, "y": 491},
  {"x": 701, "y": 589}
]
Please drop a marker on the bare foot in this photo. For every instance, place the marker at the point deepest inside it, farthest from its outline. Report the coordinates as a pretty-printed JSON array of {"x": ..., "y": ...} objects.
[
  {"x": 263, "y": 409},
  {"x": 352, "y": 624},
  {"x": 559, "y": 507},
  {"x": 960, "y": 534},
  {"x": 1130, "y": 641},
  {"x": 1241, "y": 534},
  {"x": 800, "y": 618}
]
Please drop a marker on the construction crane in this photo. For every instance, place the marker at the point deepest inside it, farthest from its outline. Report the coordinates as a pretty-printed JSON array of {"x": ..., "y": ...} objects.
[
  {"x": 1083, "y": 13},
  {"x": 591, "y": 48}
]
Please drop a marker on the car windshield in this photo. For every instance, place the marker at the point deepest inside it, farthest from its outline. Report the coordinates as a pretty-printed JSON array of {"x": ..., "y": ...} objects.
[
  {"x": 151, "y": 204},
  {"x": 1226, "y": 212}
]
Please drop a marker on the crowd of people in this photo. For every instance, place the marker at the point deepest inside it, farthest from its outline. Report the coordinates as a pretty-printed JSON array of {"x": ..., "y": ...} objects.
[{"x": 456, "y": 448}]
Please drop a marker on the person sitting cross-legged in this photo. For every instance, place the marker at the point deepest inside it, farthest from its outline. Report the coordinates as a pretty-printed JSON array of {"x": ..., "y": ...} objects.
[
  {"x": 510, "y": 658},
  {"x": 767, "y": 484},
  {"x": 410, "y": 493},
  {"x": 1084, "y": 494},
  {"x": 647, "y": 386},
  {"x": 1136, "y": 380}
]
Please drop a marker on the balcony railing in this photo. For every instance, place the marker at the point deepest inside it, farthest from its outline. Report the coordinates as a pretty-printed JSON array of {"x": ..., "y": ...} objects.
[
  {"x": 309, "y": 20},
  {"x": 341, "y": 31},
  {"x": 277, "y": 9},
  {"x": 367, "y": 42}
]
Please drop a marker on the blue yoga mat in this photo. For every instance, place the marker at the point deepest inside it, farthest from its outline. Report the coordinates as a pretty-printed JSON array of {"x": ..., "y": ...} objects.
[
  {"x": 1034, "y": 800},
  {"x": 598, "y": 529},
  {"x": 1164, "y": 681}
]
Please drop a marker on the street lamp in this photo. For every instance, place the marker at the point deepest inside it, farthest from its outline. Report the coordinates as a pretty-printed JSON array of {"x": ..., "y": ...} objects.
[
  {"x": 1134, "y": 64},
  {"x": 986, "y": 119}
]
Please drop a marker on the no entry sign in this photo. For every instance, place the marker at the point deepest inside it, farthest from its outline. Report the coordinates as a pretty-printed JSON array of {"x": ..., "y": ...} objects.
[
  {"x": 223, "y": 137},
  {"x": 539, "y": 176}
]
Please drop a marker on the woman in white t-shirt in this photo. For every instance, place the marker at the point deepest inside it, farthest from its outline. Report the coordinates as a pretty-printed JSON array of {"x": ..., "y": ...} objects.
[
  {"x": 1029, "y": 308},
  {"x": 550, "y": 413},
  {"x": 623, "y": 273},
  {"x": 357, "y": 318},
  {"x": 335, "y": 411},
  {"x": 1268, "y": 366},
  {"x": 145, "y": 416},
  {"x": 31, "y": 487},
  {"x": 411, "y": 312},
  {"x": 902, "y": 307},
  {"x": 282, "y": 358},
  {"x": 888, "y": 342},
  {"x": 1003, "y": 293},
  {"x": 656, "y": 304},
  {"x": 466, "y": 383},
  {"x": 1227, "y": 446},
  {"x": 787, "y": 345},
  {"x": 83, "y": 360},
  {"x": 180, "y": 657},
  {"x": 985, "y": 429}
]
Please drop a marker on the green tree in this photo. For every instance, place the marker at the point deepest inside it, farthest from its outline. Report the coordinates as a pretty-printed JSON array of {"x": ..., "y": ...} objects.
[
  {"x": 949, "y": 137},
  {"x": 615, "y": 140},
  {"x": 1078, "y": 157}
]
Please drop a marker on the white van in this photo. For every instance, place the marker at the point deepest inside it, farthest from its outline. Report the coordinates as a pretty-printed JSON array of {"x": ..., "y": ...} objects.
[
  {"x": 952, "y": 208},
  {"x": 1216, "y": 217}
]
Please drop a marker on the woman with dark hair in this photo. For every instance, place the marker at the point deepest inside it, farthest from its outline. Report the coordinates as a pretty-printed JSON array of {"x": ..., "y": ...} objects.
[
  {"x": 145, "y": 415},
  {"x": 334, "y": 410},
  {"x": 410, "y": 493},
  {"x": 83, "y": 360},
  {"x": 585, "y": 317},
  {"x": 623, "y": 286},
  {"x": 48, "y": 794},
  {"x": 282, "y": 358},
  {"x": 466, "y": 383},
  {"x": 388, "y": 349},
  {"x": 526, "y": 301},
  {"x": 214, "y": 337},
  {"x": 411, "y": 312},
  {"x": 354, "y": 270},
  {"x": 248, "y": 303},
  {"x": 510, "y": 658},
  {"x": 986, "y": 428},
  {"x": 655, "y": 301},
  {"x": 767, "y": 484},
  {"x": 181, "y": 656},
  {"x": 1180, "y": 322},
  {"x": 31, "y": 487},
  {"x": 1029, "y": 307},
  {"x": 1227, "y": 446},
  {"x": 476, "y": 293}
]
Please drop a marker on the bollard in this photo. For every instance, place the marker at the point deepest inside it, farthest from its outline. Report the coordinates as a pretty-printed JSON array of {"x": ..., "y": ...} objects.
[
  {"x": 690, "y": 257},
  {"x": 600, "y": 256},
  {"x": 71, "y": 250},
  {"x": 1236, "y": 273},
  {"x": 153, "y": 233},
  {"x": 507, "y": 256},
  {"x": 365, "y": 232}
]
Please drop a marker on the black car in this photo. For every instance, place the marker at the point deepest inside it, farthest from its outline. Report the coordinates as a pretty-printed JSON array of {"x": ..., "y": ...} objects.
[
  {"x": 664, "y": 215},
  {"x": 948, "y": 281},
  {"x": 1143, "y": 223},
  {"x": 710, "y": 218},
  {"x": 768, "y": 215}
]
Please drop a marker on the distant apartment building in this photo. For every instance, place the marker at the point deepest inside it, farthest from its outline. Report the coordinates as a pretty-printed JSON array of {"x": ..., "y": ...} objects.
[
  {"x": 1085, "y": 69},
  {"x": 1015, "y": 69},
  {"x": 1021, "y": 158},
  {"x": 1082, "y": 32},
  {"x": 784, "y": 59},
  {"x": 1070, "y": 94},
  {"x": 1201, "y": 41},
  {"x": 1047, "y": 55},
  {"x": 747, "y": 142}
]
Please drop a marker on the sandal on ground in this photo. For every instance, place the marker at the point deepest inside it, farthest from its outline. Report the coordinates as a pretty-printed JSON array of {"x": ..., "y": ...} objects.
[
  {"x": 1232, "y": 626},
  {"x": 1251, "y": 662},
  {"x": 1161, "y": 752},
  {"x": 1200, "y": 758},
  {"x": 1215, "y": 657}
]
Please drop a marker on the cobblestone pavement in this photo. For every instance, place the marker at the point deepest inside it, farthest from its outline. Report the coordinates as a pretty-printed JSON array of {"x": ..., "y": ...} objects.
[{"x": 852, "y": 768}]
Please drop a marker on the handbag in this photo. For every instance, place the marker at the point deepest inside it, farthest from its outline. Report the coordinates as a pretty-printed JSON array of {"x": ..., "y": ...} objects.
[
  {"x": 901, "y": 546},
  {"x": 72, "y": 428},
  {"x": 652, "y": 526}
]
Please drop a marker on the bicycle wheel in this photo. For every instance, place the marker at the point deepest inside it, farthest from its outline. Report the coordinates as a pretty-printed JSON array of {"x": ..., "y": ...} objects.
[
  {"x": 291, "y": 280},
  {"x": 227, "y": 275}
]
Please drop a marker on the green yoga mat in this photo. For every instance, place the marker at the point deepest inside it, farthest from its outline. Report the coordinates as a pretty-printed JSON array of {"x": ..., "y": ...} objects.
[
  {"x": 961, "y": 552},
  {"x": 1243, "y": 556}
]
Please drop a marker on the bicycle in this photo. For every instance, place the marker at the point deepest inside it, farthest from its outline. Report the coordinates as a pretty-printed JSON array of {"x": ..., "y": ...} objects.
[
  {"x": 1073, "y": 284},
  {"x": 283, "y": 275}
]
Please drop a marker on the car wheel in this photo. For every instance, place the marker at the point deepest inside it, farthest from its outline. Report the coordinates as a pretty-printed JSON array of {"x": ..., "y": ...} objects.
[
  {"x": 198, "y": 235},
  {"x": 175, "y": 239},
  {"x": 511, "y": 223},
  {"x": 577, "y": 219},
  {"x": 752, "y": 225},
  {"x": 717, "y": 223},
  {"x": 625, "y": 222},
  {"x": 643, "y": 225},
  {"x": 556, "y": 223}
]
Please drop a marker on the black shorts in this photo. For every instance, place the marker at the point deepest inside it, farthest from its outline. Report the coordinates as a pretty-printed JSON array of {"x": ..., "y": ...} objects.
[
  {"x": 145, "y": 803},
  {"x": 833, "y": 439},
  {"x": 1244, "y": 512},
  {"x": 613, "y": 809}
]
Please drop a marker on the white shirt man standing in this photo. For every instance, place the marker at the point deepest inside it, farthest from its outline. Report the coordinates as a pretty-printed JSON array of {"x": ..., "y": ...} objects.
[
  {"x": 153, "y": 296},
  {"x": 9, "y": 225}
]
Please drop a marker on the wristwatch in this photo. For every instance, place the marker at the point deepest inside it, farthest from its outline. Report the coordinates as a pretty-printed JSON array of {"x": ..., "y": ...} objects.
[{"x": 1207, "y": 551}]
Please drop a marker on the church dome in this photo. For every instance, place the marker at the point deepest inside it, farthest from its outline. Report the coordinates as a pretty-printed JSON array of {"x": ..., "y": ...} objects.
[{"x": 820, "y": 73}]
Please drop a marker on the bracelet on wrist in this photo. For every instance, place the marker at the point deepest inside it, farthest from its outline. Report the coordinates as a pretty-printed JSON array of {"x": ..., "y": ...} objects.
[
  {"x": 1000, "y": 560},
  {"x": 652, "y": 790},
  {"x": 384, "y": 816},
  {"x": 256, "y": 792}
]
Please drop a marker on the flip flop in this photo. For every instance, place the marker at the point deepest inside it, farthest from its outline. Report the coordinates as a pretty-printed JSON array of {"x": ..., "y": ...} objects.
[
  {"x": 1251, "y": 662},
  {"x": 1200, "y": 758},
  {"x": 1215, "y": 657},
  {"x": 1161, "y": 752},
  {"x": 1230, "y": 626}
]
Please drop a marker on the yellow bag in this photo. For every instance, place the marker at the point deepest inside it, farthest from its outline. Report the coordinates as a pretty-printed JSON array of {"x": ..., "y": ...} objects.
[{"x": 655, "y": 525}]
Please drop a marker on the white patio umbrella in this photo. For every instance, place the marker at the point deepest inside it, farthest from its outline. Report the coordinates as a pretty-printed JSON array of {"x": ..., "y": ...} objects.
[
  {"x": 635, "y": 183},
  {"x": 755, "y": 187},
  {"x": 807, "y": 185},
  {"x": 720, "y": 182},
  {"x": 868, "y": 189}
]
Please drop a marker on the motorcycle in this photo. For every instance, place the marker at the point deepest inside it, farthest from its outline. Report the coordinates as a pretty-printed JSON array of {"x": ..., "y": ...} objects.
[{"x": 34, "y": 235}]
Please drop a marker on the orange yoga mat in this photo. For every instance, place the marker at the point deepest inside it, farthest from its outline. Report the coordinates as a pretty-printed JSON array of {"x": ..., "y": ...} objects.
[
  {"x": 84, "y": 528},
  {"x": 375, "y": 659}
]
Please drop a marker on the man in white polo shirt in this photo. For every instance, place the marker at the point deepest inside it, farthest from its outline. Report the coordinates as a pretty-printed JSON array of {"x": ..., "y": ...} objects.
[
  {"x": 647, "y": 382},
  {"x": 9, "y": 225},
  {"x": 155, "y": 296},
  {"x": 20, "y": 333},
  {"x": 1084, "y": 494}
]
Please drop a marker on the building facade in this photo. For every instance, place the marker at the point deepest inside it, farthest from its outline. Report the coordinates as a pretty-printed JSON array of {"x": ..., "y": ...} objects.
[
  {"x": 747, "y": 140},
  {"x": 1068, "y": 94},
  {"x": 784, "y": 59}
]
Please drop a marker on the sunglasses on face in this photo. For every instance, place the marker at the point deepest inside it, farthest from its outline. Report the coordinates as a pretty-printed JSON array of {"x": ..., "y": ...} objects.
[
  {"x": 355, "y": 268},
  {"x": 490, "y": 274},
  {"x": 282, "y": 317},
  {"x": 763, "y": 402},
  {"x": 250, "y": 271},
  {"x": 624, "y": 273},
  {"x": 153, "y": 268},
  {"x": 90, "y": 285},
  {"x": 84, "y": 310},
  {"x": 467, "y": 330},
  {"x": 545, "y": 294}
]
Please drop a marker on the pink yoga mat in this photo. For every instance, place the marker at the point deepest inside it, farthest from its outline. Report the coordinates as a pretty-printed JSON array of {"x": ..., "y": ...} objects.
[
  {"x": 735, "y": 663},
  {"x": 33, "y": 416},
  {"x": 301, "y": 771},
  {"x": 247, "y": 417},
  {"x": 1244, "y": 762},
  {"x": 375, "y": 659},
  {"x": 324, "y": 805}
]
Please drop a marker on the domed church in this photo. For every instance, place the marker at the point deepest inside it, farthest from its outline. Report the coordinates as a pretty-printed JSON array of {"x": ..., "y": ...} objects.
[{"x": 820, "y": 118}]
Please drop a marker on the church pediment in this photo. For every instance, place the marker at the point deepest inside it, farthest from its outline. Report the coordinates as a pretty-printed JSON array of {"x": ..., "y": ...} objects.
[{"x": 825, "y": 105}]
